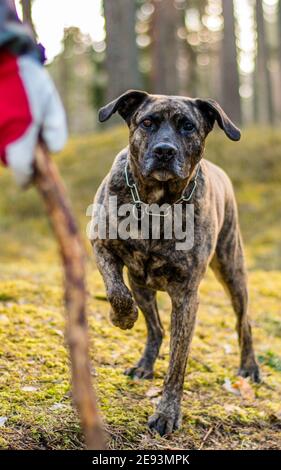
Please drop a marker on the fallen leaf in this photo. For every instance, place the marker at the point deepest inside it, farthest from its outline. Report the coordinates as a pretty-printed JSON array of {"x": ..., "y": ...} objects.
[
  {"x": 229, "y": 388},
  {"x": 3, "y": 420},
  {"x": 56, "y": 406},
  {"x": 240, "y": 387},
  {"x": 59, "y": 333},
  {"x": 227, "y": 349},
  {"x": 246, "y": 390},
  {"x": 29, "y": 388},
  {"x": 4, "y": 318},
  {"x": 153, "y": 392}
]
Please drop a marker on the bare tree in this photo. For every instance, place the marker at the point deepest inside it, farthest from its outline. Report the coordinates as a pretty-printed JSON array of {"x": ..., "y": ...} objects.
[
  {"x": 279, "y": 32},
  {"x": 27, "y": 14},
  {"x": 121, "y": 48},
  {"x": 165, "y": 47},
  {"x": 279, "y": 48},
  {"x": 263, "y": 92},
  {"x": 230, "y": 74}
]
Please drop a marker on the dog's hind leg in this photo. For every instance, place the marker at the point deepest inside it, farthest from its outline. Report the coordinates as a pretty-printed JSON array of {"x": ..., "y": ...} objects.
[
  {"x": 228, "y": 266},
  {"x": 146, "y": 300}
]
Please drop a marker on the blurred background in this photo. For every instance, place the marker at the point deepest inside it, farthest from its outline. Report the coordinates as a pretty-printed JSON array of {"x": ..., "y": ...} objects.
[{"x": 229, "y": 50}]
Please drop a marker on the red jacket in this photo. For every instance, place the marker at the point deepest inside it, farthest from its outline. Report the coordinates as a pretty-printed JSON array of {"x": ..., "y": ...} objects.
[
  {"x": 29, "y": 103},
  {"x": 15, "y": 114}
]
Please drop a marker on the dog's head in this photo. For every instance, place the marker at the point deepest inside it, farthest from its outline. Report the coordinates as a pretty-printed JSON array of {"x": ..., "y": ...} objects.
[{"x": 167, "y": 133}]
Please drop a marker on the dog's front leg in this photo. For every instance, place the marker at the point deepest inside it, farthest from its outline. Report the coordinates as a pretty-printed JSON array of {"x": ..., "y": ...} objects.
[
  {"x": 124, "y": 312},
  {"x": 167, "y": 416}
]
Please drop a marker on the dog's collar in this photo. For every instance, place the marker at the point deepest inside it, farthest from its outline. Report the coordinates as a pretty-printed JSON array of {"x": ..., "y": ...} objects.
[{"x": 184, "y": 197}]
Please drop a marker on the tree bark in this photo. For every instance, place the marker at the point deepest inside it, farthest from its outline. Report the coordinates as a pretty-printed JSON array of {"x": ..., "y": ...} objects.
[
  {"x": 279, "y": 33},
  {"x": 121, "y": 48},
  {"x": 265, "y": 109},
  {"x": 165, "y": 47},
  {"x": 51, "y": 189},
  {"x": 279, "y": 51},
  {"x": 192, "y": 75},
  {"x": 230, "y": 75}
]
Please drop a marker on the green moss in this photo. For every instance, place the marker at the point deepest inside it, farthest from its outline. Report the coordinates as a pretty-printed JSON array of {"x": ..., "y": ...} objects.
[{"x": 32, "y": 347}]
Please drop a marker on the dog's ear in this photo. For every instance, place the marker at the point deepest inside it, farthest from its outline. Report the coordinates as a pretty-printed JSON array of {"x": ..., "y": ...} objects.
[
  {"x": 126, "y": 105},
  {"x": 213, "y": 112}
]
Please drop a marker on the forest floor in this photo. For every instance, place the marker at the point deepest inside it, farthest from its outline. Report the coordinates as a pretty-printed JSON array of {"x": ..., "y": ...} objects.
[{"x": 219, "y": 410}]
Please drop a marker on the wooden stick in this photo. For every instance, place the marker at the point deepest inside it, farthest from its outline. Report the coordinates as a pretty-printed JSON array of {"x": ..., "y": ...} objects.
[
  {"x": 51, "y": 188},
  {"x": 206, "y": 437}
]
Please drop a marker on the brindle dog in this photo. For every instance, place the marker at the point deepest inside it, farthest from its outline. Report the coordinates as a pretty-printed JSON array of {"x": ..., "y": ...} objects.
[{"x": 167, "y": 140}]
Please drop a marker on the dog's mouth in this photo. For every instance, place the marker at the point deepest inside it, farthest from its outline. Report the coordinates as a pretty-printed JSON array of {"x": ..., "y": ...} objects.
[
  {"x": 162, "y": 171},
  {"x": 162, "y": 175}
]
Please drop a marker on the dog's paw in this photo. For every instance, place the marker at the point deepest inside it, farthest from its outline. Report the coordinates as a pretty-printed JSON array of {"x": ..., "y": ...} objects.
[
  {"x": 124, "y": 312},
  {"x": 252, "y": 370},
  {"x": 164, "y": 423},
  {"x": 139, "y": 372}
]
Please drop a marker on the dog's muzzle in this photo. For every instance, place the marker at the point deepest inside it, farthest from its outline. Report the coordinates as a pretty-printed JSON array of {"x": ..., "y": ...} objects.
[{"x": 162, "y": 162}]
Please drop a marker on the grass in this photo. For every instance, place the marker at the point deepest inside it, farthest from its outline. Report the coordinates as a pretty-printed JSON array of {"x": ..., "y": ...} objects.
[{"x": 35, "y": 393}]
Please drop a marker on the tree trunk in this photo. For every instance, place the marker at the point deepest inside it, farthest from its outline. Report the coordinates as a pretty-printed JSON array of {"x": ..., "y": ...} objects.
[
  {"x": 230, "y": 74},
  {"x": 279, "y": 33},
  {"x": 121, "y": 47},
  {"x": 192, "y": 75},
  {"x": 279, "y": 52},
  {"x": 165, "y": 47},
  {"x": 27, "y": 14},
  {"x": 265, "y": 108}
]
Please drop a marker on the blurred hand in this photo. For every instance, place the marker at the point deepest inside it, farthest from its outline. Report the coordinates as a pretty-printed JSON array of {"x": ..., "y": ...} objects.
[{"x": 30, "y": 109}]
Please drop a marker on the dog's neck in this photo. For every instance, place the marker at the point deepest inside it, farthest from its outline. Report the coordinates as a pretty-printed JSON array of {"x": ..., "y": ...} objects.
[{"x": 152, "y": 191}]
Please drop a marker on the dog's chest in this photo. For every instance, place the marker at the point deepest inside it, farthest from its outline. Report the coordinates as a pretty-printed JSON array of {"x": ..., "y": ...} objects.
[{"x": 153, "y": 263}]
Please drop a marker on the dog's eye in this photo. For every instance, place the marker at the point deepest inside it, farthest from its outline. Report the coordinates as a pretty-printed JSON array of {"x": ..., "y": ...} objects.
[
  {"x": 187, "y": 126},
  {"x": 147, "y": 123}
]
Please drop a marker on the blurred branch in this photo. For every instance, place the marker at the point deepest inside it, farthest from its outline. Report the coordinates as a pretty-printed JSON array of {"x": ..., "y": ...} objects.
[{"x": 51, "y": 189}]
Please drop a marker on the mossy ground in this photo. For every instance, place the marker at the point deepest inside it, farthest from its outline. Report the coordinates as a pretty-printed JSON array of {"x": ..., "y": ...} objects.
[{"x": 35, "y": 394}]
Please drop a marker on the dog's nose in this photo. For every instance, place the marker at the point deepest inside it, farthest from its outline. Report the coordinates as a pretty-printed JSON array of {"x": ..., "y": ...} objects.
[{"x": 164, "y": 151}]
